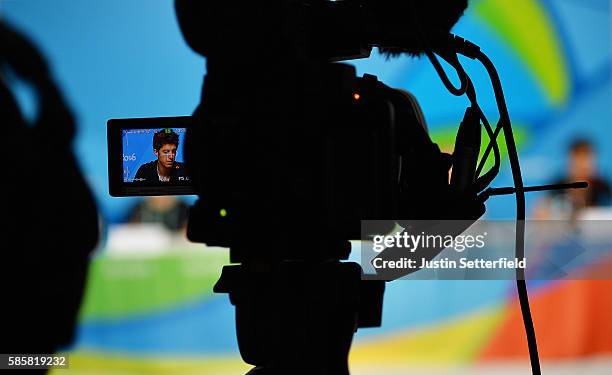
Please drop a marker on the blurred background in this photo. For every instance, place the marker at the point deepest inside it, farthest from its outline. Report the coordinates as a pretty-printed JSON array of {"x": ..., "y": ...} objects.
[{"x": 149, "y": 306}]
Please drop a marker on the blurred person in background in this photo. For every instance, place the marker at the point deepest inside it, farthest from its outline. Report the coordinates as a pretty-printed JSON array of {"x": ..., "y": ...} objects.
[
  {"x": 51, "y": 223},
  {"x": 581, "y": 166},
  {"x": 166, "y": 210}
]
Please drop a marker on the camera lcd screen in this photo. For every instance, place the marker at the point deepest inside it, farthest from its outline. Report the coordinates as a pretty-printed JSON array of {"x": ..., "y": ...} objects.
[{"x": 146, "y": 157}]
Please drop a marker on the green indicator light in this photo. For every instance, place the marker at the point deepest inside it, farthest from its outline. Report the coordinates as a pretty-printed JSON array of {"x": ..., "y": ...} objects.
[{"x": 223, "y": 212}]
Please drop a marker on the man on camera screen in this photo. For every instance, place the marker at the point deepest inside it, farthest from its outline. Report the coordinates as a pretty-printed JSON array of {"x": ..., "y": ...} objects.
[{"x": 165, "y": 169}]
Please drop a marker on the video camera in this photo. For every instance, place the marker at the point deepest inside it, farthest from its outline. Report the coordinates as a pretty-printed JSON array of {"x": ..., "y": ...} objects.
[
  {"x": 323, "y": 149},
  {"x": 302, "y": 142}
]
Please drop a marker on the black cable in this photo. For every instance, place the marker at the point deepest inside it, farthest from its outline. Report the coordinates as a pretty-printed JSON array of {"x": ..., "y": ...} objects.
[
  {"x": 466, "y": 48},
  {"x": 492, "y": 144},
  {"x": 471, "y": 50},
  {"x": 520, "y": 210},
  {"x": 448, "y": 52},
  {"x": 483, "y": 181},
  {"x": 444, "y": 77}
]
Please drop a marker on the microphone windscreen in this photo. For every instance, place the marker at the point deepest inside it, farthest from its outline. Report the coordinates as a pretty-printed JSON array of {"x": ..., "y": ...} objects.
[{"x": 412, "y": 26}]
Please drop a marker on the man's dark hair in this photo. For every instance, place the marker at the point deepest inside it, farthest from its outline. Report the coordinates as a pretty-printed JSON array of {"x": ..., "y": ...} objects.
[
  {"x": 581, "y": 144},
  {"x": 165, "y": 137}
]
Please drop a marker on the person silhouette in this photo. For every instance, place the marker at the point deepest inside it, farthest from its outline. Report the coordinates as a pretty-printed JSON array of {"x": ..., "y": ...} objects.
[{"x": 51, "y": 221}]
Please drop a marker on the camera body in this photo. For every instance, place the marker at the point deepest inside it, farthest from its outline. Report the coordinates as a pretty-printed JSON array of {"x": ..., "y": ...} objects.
[
  {"x": 296, "y": 148},
  {"x": 297, "y": 174},
  {"x": 299, "y": 146}
]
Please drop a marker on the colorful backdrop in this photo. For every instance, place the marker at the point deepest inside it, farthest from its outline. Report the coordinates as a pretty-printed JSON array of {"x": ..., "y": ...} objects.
[{"x": 153, "y": 312}]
